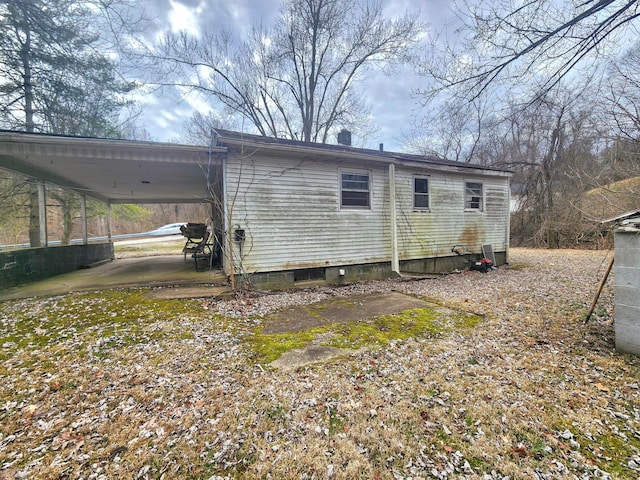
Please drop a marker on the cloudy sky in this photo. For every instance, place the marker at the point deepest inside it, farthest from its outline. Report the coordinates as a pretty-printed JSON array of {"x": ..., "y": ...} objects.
[{"x": 392, "y": 108}]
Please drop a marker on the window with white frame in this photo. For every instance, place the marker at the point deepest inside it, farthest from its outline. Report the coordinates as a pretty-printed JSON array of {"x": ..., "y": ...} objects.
[
  {"x": 473, "y": 196},
  {"x": 421, "y": 193},
  {"x": 354, "y": 190}
]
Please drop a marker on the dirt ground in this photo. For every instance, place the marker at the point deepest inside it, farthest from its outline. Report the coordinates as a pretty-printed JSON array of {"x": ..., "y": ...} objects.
[{"x": 124, "y": 384}]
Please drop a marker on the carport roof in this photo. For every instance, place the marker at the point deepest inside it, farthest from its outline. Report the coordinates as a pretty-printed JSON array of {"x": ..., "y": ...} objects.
[{"x": 116, "y": 171}]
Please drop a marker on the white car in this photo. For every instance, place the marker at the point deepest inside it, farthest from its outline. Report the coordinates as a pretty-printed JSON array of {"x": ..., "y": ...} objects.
[{"x": 170, "y": 229}]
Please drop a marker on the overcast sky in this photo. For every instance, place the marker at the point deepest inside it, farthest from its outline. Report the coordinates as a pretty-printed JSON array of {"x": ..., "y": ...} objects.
[{"x": 392, "y": 107}]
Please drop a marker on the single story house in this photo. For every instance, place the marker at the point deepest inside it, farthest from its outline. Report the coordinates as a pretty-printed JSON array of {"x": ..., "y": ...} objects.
[
  {"x": 283, "y": 211},
  {"x": 303, "y": 211}
]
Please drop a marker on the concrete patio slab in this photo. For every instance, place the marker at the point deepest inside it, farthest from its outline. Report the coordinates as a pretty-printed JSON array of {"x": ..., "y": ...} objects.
[
  {"x": 125, "y": 272},
  {"x": 339, "y": 310}
]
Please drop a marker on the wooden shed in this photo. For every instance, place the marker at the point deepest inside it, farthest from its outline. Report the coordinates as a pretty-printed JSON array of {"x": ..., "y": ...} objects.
[{"x": 295, "y": 211}]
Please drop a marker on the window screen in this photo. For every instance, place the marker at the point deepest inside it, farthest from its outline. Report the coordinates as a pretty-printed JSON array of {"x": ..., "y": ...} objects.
[
  {"x": 473, "y": 196},
  {"x": 354, "y": 190},
  {"x": 421, "y": 193}
]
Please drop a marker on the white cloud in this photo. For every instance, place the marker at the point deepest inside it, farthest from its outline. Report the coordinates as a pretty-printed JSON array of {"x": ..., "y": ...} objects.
[
  {"x": 184, "y": 18},
  {"x": 392, "y": 107}
]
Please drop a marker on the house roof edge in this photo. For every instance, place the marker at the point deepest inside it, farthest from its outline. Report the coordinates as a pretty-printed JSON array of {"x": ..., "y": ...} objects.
[{"x": 227, "y": 137}]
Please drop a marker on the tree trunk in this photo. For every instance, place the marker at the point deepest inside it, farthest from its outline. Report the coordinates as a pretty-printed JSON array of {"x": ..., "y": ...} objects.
[
  {"x": 34, "y": 216},
  {"x": 67, "y": 216},
  {"x": 548, "y": 170}
]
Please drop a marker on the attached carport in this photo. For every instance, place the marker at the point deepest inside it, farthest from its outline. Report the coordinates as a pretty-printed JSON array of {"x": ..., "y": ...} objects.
[{"x": 117, "y": 171}]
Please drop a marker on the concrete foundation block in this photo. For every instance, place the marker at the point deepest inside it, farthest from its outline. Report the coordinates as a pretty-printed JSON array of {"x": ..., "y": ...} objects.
[{"x": 627, "y": 291}]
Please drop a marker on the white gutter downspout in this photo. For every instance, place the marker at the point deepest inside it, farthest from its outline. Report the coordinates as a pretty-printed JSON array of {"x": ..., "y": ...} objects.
[
  {"x": 226, "y": 253},
  {"x": 508, "y": 233},
  {"x": 395, "y": 261}
]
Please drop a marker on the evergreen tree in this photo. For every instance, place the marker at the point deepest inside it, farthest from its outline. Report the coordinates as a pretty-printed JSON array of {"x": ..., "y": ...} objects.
[{"x": 56, "y": 77}]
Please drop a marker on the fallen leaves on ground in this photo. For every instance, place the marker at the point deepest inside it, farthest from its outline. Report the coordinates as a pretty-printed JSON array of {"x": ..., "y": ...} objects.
[{"x": 95, "y": 387}]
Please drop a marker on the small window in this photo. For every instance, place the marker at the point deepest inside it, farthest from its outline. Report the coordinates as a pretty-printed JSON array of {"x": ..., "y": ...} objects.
[
  {"x": 354, "y": 190},
  {"x": 473, "y": 196},
  {"x": 421, "y": 193}
]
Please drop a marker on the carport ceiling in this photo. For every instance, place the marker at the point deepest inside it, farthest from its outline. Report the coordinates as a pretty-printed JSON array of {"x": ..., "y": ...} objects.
[{"x": 116, "y": 171}]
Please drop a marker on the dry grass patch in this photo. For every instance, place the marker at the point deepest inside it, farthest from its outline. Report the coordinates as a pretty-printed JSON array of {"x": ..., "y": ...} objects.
[{"x": 113, "y": 385}]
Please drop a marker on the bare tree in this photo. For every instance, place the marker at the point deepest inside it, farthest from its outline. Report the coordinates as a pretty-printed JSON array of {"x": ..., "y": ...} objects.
[
  {"x": 197, "y": 130},
  {"x": 554, "y": 149},
  {"x": 624, "y": 93},
  {"x": 617, "y": 181},
  {"x": 538, "y": 65},
  {"x": 296, "y": 79},
  {"x": 530, "y": 40},
  {"x": 453, "y": 128}
]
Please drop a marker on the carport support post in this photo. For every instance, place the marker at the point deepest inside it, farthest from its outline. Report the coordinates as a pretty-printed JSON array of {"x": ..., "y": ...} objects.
[
  {"x": 42, "y": 212},
  {"x": 83, "y": 214},
  {"x": 109, "y": 238},
  {"x": 395, "y": 261}
]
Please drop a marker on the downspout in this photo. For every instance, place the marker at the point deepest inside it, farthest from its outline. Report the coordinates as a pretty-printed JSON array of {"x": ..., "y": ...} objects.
[
  {"x": 395, "y": 261},
  {"x": 42, "y": 213},
  {"x": 227, "y": 263},
  {"x": 508, "y": 232}
]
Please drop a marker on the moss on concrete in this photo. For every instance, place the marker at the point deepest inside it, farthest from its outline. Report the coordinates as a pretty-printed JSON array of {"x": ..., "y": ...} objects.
[{"x": 371, "y": 333}]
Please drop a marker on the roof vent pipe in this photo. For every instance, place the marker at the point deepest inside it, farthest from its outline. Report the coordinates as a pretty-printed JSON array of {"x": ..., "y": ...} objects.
[
  {"x": 344, "y": 137},
  {"x": 382, "y": 147}
]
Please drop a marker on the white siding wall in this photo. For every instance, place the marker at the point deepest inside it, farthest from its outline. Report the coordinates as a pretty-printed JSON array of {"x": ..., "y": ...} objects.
[
  {"x": 423, "y": 234},
  {"x": 290, "y": 211}
]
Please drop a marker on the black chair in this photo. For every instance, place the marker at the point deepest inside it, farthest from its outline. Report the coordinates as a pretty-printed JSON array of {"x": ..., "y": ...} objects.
[{"x": 197, "y": 243}]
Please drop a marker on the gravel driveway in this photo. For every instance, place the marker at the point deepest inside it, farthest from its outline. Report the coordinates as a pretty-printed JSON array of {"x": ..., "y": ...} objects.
[{"x": 115, "y": 385}]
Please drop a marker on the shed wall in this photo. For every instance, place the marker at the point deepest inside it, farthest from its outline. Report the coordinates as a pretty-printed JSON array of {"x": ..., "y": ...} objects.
[
  {"x": 627, "y": 291},
  {"x": 290, "y": 211}
]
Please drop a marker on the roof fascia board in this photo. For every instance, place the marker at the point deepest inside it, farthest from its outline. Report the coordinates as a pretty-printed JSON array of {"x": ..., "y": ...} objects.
[
  {"x": 355, "y": 155},
  {"x": 112, "y": 148},
  {"x": 463, "y": 168}
]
